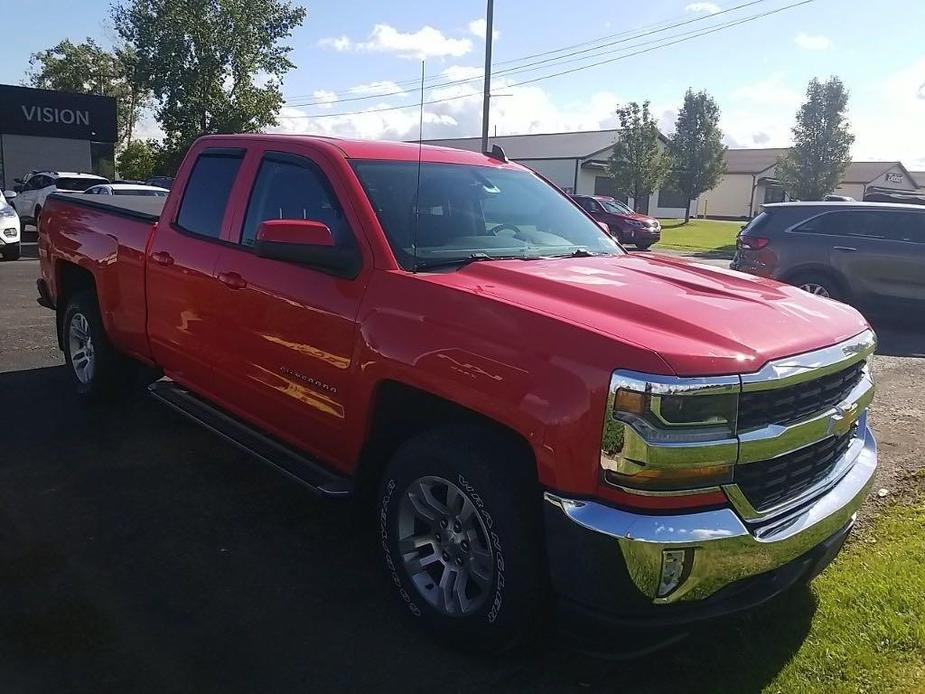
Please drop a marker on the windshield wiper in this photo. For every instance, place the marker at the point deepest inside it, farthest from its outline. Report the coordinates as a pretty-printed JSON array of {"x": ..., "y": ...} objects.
[{"x": 449, "y": 262}]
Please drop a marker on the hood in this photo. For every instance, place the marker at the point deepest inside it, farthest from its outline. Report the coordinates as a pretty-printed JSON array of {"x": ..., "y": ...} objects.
[{"x": 702, "y": 320}]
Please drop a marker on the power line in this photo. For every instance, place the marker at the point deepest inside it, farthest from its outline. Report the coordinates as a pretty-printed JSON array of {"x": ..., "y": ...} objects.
[
  {"x": 667, "y": 44},
  {"x": 636, "y": 34}
]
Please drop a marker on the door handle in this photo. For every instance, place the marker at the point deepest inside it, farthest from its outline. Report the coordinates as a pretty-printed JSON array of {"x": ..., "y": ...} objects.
[
  {"x": 847, "y": 249},
  {"x": 162, "y": 258},
  {"x": 232, "y": 280}
]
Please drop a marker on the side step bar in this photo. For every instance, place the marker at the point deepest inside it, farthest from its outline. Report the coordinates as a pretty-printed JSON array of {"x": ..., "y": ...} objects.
[{"x": 285, "y": 459}]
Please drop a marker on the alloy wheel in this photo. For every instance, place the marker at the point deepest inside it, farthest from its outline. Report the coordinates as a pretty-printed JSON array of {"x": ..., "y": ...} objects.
[
  {"x": 445, "y": 546},
  {"x": 815, "y": 288},
  {"x": 80, "y": 348}
]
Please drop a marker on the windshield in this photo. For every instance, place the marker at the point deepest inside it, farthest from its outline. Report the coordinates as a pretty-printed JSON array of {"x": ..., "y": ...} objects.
[
  {"x": 475, "y": 213},
  {"x": 78, "y": 184},
  {"x": 615, "y": 207}
]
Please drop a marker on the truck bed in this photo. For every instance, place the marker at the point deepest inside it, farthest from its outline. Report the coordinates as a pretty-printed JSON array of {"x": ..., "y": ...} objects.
[{"x": 145, "y": 207}]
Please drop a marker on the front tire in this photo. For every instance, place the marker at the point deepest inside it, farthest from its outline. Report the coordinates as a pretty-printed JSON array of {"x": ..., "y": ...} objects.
[
  {"x": 459, "y": 531},
  {"x": 97, "y": 370},
  {"x": 11, "y": 251},
  {"x": 819, "y": 285}
]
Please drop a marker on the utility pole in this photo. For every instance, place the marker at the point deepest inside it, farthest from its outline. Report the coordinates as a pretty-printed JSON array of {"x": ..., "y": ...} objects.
[{"x": 486, "y": 97}]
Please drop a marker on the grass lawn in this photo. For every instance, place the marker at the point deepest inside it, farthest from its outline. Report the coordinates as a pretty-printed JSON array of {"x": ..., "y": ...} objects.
[
  {"x": 704, "y": 235},
  {"x": 859, "y": 627}
]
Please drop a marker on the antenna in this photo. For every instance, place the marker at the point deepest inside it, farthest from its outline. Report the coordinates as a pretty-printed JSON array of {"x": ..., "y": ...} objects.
[{"x": 417, "y": 191}]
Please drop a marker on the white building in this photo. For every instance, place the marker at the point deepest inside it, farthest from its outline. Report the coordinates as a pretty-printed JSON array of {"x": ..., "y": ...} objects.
[
  {"x": 575, "y": 161},
  {"x": 750, "y": 181}
]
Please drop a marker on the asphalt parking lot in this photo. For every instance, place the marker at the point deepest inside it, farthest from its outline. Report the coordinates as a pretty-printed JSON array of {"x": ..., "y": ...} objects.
[{"x": 140, "y": 553}]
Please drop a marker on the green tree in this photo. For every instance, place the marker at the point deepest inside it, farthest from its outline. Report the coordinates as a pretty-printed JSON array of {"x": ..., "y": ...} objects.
[
  {"x": 140, "y": 159},
  {"x": 698, "y": 156},
  {"x": 88, "y": 68},
  {"x": 822, "y": 141},
  {"x": 212, "y": 65},
  {"x": 638, "y": 165}
]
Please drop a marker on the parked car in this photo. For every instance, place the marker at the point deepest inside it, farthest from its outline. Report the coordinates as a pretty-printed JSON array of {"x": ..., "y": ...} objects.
[
  {"x": 10, "y": 231},
  {"x": 160, "y": 181},
  {"x": 38, "y": 185},
  {"x": 523, "y": 405},
  {"x": 624, "y": 224},
  {"x": 860, "y": 252},
  {"x": 127, "y": 189}
]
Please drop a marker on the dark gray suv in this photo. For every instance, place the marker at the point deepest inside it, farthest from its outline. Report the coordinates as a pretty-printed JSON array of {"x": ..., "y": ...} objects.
[{"x": 861, "y": 252}]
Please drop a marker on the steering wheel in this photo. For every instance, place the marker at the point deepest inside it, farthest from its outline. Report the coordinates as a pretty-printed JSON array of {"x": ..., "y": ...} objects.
[{"x": 501, "y": 227}]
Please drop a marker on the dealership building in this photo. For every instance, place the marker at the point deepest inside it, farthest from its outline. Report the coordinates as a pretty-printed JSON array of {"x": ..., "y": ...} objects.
[{"x": 57, "y": 131}]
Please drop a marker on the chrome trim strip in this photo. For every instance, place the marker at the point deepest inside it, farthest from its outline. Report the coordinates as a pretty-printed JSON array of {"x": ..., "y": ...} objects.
[{"x": 799, "y": 368}]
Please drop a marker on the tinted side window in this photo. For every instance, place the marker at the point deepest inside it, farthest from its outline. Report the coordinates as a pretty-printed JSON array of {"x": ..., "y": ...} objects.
[
  {"x": 905, "y": 226},
  {"x": 848, "y": 223},
  {"x": 206, "y": 194},
  {"x": 291, "y": 187}
]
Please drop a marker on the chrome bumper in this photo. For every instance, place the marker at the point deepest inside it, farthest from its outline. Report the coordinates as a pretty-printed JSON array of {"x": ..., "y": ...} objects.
[{"x": 725, "y": 547}]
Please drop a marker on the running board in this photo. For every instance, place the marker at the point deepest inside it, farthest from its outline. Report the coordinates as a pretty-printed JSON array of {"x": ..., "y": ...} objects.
[{"x": 285, "y": 459}]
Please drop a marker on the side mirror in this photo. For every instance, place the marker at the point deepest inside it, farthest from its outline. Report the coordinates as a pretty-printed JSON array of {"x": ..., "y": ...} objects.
[
  {"x": 305, "y": 241},
  {"x": 9, "y": 194}
]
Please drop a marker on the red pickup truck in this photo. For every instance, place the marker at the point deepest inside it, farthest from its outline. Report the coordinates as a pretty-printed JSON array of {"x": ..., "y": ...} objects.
[{"x": 531, "y": 411}]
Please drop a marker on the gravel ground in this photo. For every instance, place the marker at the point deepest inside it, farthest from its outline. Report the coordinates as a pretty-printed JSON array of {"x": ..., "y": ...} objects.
[{"x": 140, "y": 553}]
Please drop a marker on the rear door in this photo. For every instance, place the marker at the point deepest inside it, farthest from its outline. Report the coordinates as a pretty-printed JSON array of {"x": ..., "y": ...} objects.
[
  {"x": 288, "y": 329},
  {"x": 183, "y": 295},
  {"x": 880, "y": 252}
]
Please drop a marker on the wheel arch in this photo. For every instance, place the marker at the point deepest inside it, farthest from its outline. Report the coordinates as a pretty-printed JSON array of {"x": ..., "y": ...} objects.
[
  {"x": 399, "y": 411},
  {"x": 70, "y": 279},
  {"x": 818, "y": 269}
]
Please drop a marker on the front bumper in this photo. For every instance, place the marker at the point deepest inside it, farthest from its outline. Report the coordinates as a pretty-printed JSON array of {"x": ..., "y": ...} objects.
[{"x": 608, "y": 560}]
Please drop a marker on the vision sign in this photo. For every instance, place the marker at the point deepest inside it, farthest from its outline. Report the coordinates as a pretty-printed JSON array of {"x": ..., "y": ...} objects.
[{"x": 40, "y": 112}]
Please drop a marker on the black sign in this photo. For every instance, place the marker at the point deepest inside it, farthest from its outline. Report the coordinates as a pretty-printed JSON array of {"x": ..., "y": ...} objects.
[{"x": 40, "y": 112}]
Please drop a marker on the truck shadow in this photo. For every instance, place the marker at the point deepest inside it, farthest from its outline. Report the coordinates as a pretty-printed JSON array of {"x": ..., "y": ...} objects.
[{"x": 139, "y": 552}]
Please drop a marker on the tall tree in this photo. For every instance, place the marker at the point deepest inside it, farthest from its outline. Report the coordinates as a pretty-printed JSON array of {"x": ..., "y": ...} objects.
[
  {"x": 822, "y": 141},
  {"x": 139, "y": 160},
  {"x": 698, "y": 156},
  {"x": 638, "y": 164},
  {"x": 212, "y": 65},
  {"x": 88, "y": 68}
]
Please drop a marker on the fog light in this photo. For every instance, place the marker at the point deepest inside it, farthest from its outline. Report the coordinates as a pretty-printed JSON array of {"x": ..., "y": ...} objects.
[
  {"x": 9, "y": 233},
  {"x": 675, "y": 566}
]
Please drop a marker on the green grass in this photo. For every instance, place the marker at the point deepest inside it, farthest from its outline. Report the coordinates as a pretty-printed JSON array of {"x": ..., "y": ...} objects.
[
  {"x": 860, "y": 627},
  {"x": 699, "y": 235}
]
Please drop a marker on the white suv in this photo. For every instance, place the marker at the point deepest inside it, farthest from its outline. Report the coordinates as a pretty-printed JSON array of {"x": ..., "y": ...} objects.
[
  {"x": 36, "y": 186},
  {"x": 9, "y": 228}
]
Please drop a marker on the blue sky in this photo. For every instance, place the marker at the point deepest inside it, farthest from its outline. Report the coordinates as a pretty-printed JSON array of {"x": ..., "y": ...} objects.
[{"x": 757, "y": 71}]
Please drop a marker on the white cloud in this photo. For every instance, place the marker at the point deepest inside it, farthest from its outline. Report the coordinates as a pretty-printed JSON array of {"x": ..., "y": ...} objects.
[
  {"x": 462, "y": 72},
  {"x": 479, "y": 27},
  {"x": 706, "y": 7},
  {"x": 324, "y": 98},
  {"x": 378, "y": 88},
  {"x": 813, "y": 42},
  {"x": 770, "y": 91},
  {"x": 338, "y": 43},
  {"x": 426, "y": 42}
]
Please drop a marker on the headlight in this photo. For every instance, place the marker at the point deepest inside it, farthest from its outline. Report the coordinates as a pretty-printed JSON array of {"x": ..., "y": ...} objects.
[
  {"x": 664, "y": 433},
  {"x": 7, "y": 211}
]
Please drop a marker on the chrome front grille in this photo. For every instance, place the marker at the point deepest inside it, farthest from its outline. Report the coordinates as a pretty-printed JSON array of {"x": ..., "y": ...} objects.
[
  {"x": 767, "y": 483},
  {"x": 783, "y": 406}
]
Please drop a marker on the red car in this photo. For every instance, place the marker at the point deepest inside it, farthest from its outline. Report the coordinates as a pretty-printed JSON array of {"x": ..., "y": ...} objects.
[
  {"x": 623, "y": 223},
  {"x": 533, "y": 416}
]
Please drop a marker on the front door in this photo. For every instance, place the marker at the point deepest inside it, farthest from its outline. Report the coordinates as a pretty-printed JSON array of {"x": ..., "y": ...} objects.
[
  {"x": 289, "y": 330},
  {"x": 182, "y": 293}
]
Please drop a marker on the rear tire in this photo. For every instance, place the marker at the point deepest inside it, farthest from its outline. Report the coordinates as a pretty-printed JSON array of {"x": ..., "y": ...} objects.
[
  {"x": 818, "y": 284},
  {"x": 11, "y": 251},
  {"x": 97, "y": 370},
  {"x": 459, "y": 530}
]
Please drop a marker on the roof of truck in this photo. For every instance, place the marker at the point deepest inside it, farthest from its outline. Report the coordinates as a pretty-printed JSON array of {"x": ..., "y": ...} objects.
[{"x": 385, "y": 149}]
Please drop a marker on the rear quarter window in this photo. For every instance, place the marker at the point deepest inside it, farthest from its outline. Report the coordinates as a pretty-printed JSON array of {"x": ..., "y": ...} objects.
[{"x": 206, "y": 194}]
